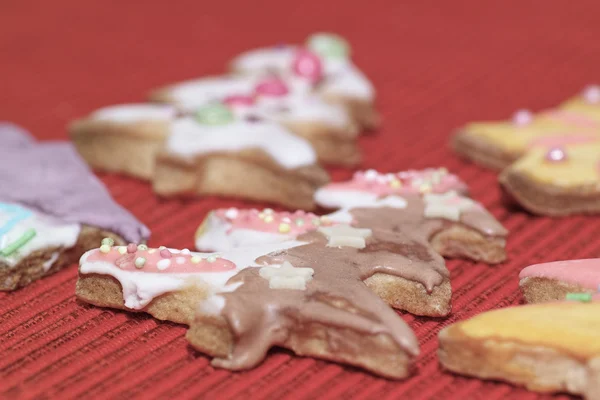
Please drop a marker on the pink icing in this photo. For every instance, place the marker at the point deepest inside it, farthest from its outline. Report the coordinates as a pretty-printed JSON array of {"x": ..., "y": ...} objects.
[
  {"x": 307, "y": 65},
  {"x": 178, "y": 263},
  {"x": 562, "y": 140},
  {"x": 298, "y": 222},
  {"x": 239, "y": 101},
  {"x": 438, "y": 181},
  {"x": 271, "y": 87},
  {"x": 585, "y": 273},
  {"x": 573, "y": 118}
]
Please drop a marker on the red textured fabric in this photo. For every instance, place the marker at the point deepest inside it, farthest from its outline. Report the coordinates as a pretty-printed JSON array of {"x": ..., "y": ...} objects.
[{"x": 436, "y": 65}]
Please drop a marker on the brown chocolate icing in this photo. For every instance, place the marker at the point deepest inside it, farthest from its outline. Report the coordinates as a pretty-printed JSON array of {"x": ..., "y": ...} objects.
[
  {"x": 261, "y": 317},
  {"x": 413, "y": 218}
]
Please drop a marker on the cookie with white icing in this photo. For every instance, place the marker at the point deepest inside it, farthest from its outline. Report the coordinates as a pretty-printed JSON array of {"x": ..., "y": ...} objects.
[
  {"x": 318, "y": 295},
  {"x": 323, "y": 61},
  {"x": 561, "y": 280},
  {"x": 283, "y": 100},
  {"x": 548, "y": 159},
  {"x": 549, "y": 348},
  {"x": 54, "y": 213},
  {"x": 212, "y": 151}
]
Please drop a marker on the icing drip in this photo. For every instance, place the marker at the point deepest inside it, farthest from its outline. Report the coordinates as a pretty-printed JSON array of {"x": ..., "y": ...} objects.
[
  {"x": 58, "y": 183},
  {"x": 336, "y": 296}
]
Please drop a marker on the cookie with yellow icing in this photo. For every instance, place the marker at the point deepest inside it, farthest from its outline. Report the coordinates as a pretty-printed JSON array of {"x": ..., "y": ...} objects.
[
  {"x": 550, "y": 347},
  {"x": 549, "y": 160}
]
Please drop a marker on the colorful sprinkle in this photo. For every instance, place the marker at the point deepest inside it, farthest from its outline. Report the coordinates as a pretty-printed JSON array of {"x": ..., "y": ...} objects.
[
  {"x": 395, "y": 183},
  {"x": 142, "y": 247},
  {"x": 556, "y": 154},
  {"x": 196, "y": 260},
  {"x": 211, "y": 259},
  {"x": 299, "y": 222},
  {"x": 122, "y": 249},
  {"x": 239, "y": 101},
  {"x": 274, "y": 87},
  {"x": 20, "y": 242},
  {"x": 522, "y": 117},
  {"x": 140, "y": 262},
  {"x": 582, "y": 297},
  {"x": 165, "y": 253},
  {"x": 284, "y": 228},
  {"x": 131, "y": 248},
  {"x": 215, "y": 114},
  {"x": 307, "y": 64},
  {"x": 329, "y": 45},
  {"x": 105, "y": 248},
  {"x": 108, "y": 241},
  {"x": 268, "y": 218},
  {"x": 163, "y": 264}
]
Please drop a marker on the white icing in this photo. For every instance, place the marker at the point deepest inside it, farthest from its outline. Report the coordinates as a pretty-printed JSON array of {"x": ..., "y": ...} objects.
[
  {"x": 139, "y": 288},
  {"x": 286, "y": 276},
  {"x": 448, "y": 205},
  {"x": 342, "y": 78},
  {"x": 189, "y": 138},
  {"x": 50, "y": 233},
  {"x": 299, "y": 104},
  {"x": 218, "y": 237},
  {"x": 130, "y": 113},
  {"x": 353, "y": 199},
  {"x": 346, "y": 236},
  {"x": 50, "y": 262}
]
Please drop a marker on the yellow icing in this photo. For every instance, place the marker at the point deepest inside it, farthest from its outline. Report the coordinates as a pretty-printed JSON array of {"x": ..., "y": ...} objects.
[
  {"x": 569, "y": 327},
  {"x": 581, "y": 168}
]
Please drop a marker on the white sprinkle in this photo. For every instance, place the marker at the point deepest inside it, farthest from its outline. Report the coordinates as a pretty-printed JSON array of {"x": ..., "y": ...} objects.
[
  {"x": 232, "y": 213},
  {"x": 185, "y": 251},
  {"x": 163, "y": 264},
  {"x": 180, "y": 260}
]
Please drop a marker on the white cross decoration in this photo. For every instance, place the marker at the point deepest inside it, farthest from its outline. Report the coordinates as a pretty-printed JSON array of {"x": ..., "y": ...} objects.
[
  {"x": 449, "y": 205},
  {"x": 345, "y": 235},
  {"x": 287, "y": 276}
]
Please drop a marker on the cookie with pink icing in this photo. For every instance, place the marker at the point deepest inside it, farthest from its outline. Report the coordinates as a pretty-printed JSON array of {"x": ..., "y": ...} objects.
[
  {"x": 549, "y": 160},
  {"x": 225, "y": 229},
  {"x": 286, "y": 101},
  {"x": 366, "y": 187},
  {"x": 324, "y": 62},
  {"x": 561, "y": 280},
  {"x": 211, "y": 151},
  {"x": 248, "y": 299}
]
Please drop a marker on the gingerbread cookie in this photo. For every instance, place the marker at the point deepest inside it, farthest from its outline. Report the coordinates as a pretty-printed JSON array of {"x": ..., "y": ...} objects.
[
  {"x": 429, "y": 202},
  {"x": 55, "y": 212},
  {"x": 561, "y": 280},
  {"x": 290, "y": 102},
  {"x": 549, "y": 159},
  {"x": 211, "y": 152},
  {"x": 317, "y": 294},
  {"x": 324, "y": 62},
  {"x": 550, "y": 347}
]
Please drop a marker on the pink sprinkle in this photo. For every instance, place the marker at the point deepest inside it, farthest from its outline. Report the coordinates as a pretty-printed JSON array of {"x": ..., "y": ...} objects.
[
  {"x": 272, "y": 87},
  {"x": 165, "y": 253},
  {"x": 131, "y": 248},
  {"x": 522, "y": 117},
  {"x": 556, "y": 154},
  {"x": 307, "y": 65},
  {"x": 239, "y": 101}
]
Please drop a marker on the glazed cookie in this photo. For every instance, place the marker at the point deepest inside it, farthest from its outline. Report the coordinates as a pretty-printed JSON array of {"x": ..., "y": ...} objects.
[
  {"x": 55, "y": 212},
  {"x": 550, "y": 347},
  {"x": 317, "y": 295},
  {"x": 561, "y": 280},
  {"x": 324, "y": 61},
  {"x": 287, "y": 101},
  {"x": 428, "y": 202},
  {"x": 498, "y": 144},
  {"x": 557, "y": 181},
  {"x": 212, "y": 152}
]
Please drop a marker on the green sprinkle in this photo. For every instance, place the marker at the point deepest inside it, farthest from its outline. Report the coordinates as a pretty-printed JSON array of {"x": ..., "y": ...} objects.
[
  {"x": 215, "y": 114},
  {"x": 108, "y": 242},
  {"x": 583, "y": 297},
  {"x": 20, "y": 242},
  {"x": 329, "y": 46}
]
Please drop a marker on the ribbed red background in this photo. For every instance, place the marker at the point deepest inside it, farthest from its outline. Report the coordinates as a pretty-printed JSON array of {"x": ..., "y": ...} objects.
[{"x": 436, "y": 64}]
